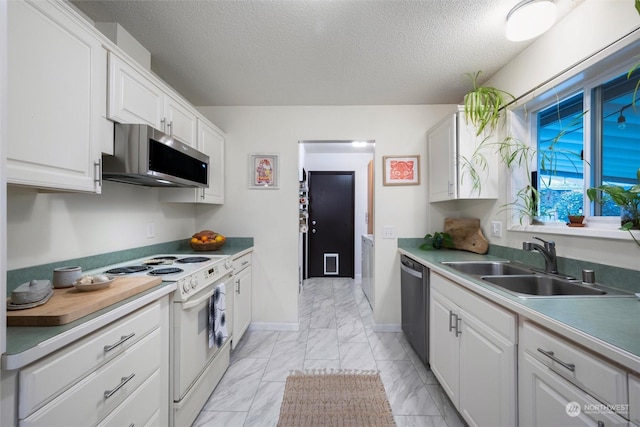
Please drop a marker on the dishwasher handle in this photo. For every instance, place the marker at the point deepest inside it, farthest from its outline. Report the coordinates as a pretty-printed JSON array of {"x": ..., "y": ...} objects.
[{"x": 411, "y": 271}]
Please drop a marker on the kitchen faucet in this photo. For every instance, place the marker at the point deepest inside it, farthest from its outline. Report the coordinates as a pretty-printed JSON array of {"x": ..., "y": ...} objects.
[{"x": 548, "y": 251}]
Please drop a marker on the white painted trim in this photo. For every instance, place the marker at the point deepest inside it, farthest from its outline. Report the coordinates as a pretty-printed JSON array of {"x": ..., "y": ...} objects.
[
  {"x": 386, "y": 327},
  {"x": 266, "y": 326}
]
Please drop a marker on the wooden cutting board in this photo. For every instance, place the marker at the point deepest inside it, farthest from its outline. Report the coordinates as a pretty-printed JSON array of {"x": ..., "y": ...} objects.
[
  {"x": 466, "y": 234},
  {"x": 69, "y": 304}
]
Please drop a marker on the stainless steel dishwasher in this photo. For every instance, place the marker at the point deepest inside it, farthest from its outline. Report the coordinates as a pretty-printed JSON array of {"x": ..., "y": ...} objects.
[{"x": 414, "y": 294}]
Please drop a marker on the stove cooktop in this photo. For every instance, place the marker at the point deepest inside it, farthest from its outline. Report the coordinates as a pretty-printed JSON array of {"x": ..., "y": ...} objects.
[{"x": 169, "y": 267}]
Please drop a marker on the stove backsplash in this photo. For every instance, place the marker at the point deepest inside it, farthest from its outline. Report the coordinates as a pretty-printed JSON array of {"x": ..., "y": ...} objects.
[{"x": 44, "y": 271}]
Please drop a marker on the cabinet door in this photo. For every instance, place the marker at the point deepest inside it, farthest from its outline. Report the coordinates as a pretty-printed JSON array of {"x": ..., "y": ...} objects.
[
  {"x": 443, "y": 344},
  {"x": 546, "y": 399},
  {"x": 634, "y": 399},
  {"x": 181, "y": 121},
  {"x": 477, "y": 163},
  {"x": 211, "y": 142},
  {"x": 487, "y": 375},
  {"x": 242, "y": 311},
  {"x": 55, "y": 99},
  {"x": 132, "y": 97},
  {"x": 441, "y": 147}
]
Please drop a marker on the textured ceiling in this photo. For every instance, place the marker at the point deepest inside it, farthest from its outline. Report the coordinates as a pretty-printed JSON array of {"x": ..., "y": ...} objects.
[{"x": 317, "y": 52}]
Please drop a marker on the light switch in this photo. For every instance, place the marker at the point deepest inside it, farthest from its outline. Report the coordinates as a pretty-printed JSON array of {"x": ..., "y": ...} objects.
[
  {"x": 389, "y": 232},
  {"x": 496, "y": 228}
]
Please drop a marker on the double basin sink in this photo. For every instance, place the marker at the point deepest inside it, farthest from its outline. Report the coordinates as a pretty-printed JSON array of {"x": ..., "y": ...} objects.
[{"x": 525, "y": 282}]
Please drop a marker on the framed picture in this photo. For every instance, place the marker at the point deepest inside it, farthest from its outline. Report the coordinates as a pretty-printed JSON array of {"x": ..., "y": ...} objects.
[
  {"x": 264, "y": 171},
  {"x": 401, "y": 170}
]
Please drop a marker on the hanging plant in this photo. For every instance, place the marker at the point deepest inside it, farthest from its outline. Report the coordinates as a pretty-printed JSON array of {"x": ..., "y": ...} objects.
[{"x": 483, "y": 105}]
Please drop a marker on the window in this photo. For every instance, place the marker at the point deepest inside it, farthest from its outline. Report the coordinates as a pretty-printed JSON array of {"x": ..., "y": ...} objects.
[{"x": 588, "y": 138}]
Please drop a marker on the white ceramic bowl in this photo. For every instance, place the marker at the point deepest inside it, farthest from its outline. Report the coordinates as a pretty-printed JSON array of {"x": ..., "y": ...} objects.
[
  {"x": 65, "y": 277},
  {"x": 94, "y": 286}
]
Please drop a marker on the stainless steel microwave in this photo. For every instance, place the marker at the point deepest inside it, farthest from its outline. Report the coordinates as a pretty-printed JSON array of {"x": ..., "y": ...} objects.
[{"x": 145, "y": 156}]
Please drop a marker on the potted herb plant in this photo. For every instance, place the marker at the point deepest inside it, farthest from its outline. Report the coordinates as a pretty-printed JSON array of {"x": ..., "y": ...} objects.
[
  {"x": 437, "y": 240},
  {"x": 483, "y": 105},
  {"x": 627, "y": 198}
]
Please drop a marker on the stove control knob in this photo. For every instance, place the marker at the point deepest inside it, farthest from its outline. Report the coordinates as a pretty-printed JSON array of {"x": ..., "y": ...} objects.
[
  {"x": 228, "y": 264},
  {"x": 194, "y": 283},
  {"x": 185, "y": 286}
]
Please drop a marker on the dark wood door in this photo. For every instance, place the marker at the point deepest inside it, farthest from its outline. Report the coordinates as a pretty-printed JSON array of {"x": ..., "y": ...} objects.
[{"x": 331, "y": 224}]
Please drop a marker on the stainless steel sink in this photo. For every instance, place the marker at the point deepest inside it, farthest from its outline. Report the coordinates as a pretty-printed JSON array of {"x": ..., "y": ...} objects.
[
  {"x": 545, "y": 286},
  {"x": 488, "y": 268}
]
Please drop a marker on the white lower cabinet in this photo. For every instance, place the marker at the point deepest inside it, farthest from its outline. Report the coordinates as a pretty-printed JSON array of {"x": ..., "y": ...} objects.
[
  {"x": 634, "y": 399},
  {"x": 242, "y": 299},
  {"x": 473, "y": 353},
  {"x": 117, "y": 376},
  {"x": 563, "y": 385}
]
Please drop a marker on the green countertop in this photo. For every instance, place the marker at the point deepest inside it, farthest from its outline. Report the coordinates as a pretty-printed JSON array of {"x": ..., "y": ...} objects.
[
  {"x": 608, "y": 325},
  {"x": 28, "y": 343}
]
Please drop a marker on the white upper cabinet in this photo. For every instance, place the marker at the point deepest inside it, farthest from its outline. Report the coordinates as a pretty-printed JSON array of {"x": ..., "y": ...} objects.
[
  {"x": 461, "y": 164},
  {"x": 210, "y": 142},
  {"x": 135, "y": 98},
  {"x": 132, "y": 97},
  {"x": 56, "y": 92}
]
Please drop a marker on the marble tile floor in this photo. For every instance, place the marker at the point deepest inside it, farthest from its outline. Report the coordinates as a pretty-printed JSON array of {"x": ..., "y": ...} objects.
[{"x": 335, "y": 333}]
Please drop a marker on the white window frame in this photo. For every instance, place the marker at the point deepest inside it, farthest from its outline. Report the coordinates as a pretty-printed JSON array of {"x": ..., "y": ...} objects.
[{"x": 609, "y": 63}]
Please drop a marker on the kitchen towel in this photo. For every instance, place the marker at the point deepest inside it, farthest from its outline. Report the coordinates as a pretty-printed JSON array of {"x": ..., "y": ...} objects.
[{"x": 217, "y": 318}]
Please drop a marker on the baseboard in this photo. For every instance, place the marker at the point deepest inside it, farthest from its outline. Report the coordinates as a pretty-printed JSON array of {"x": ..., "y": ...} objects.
[
  {"x": 265, "y": 326},
  {"x": 386, "y": 327}
]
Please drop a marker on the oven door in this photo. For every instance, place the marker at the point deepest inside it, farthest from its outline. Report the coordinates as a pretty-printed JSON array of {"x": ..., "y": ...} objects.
[{"x": 191, "y": 336}]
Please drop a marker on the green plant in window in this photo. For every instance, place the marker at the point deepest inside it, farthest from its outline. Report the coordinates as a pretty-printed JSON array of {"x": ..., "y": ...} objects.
[
  {"x": 627, "y": 198},
  {"x": 483, "y": 105}
]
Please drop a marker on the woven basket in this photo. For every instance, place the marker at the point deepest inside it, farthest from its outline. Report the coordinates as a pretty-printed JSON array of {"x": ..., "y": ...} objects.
[{"x": 209, "y": 246}]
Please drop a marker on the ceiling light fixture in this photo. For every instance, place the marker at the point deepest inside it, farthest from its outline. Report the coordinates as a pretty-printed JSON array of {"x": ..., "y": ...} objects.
[{"x": 529, "y": 19}]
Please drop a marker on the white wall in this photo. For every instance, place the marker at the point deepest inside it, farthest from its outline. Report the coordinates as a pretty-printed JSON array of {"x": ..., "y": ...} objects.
[
  {"x": 356, "y": 162},
  {"x": 49, "y": 227},
  {"x": 271, "y": 216}
]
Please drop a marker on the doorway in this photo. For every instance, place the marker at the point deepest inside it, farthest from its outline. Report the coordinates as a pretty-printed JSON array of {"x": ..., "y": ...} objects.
[{"x": 331, "y": 223}]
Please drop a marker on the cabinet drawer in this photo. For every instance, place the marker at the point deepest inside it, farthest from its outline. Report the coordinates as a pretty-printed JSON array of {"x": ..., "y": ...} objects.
[
  {"x": 592, "y": 374},
  {"x": 494, "y": 316},
  {"x": 140, "y": 408},
  {"x": 87, "y": 402},
  {"x": 242, "y": 262},
  {"x": 43, "y": 380}
]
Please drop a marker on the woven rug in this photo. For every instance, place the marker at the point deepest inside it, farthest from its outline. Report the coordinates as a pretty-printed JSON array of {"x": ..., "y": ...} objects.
[{"x": 342, "y": 399}]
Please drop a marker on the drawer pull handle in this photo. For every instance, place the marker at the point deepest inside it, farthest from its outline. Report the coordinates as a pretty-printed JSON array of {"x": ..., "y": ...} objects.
[
  {"x": 123, "y": 381},
  {"x": 245, "y": 263},
  {"x": 132, "y": 425},
  {"x": 451, "y": 325},
  {"x": 458, "y": 326},
  {"x": 549, "y": 354},
  {"x": 108, "y": 348}
]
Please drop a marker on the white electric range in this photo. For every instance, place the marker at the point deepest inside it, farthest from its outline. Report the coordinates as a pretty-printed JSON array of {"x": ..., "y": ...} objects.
[
  {"x": 192, "y": 273},
  {"x": 199, "y": 353}
]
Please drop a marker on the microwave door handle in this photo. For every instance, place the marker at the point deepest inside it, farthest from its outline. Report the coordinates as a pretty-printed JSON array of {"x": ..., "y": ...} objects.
[{"x": 189, "y": 305}]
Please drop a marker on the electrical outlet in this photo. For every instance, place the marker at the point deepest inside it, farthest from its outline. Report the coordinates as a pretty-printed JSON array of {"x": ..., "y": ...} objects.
[
  {"x": 389, "y": 232},
  {"x": 151, "y": 230},
  {"x": 496, "y": 228}
]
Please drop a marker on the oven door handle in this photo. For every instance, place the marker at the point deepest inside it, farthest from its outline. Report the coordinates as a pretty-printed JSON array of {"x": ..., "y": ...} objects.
[{"x": 191, "y": 304}]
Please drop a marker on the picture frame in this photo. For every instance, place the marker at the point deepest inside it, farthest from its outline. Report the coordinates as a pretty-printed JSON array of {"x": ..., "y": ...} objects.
[
  {"x": 264, "y": 172},
  {"x": 401, "y": 170}
]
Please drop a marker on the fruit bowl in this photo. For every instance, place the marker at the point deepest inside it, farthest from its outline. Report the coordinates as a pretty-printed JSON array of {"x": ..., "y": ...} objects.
[{"x": 207, "y": 240}]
